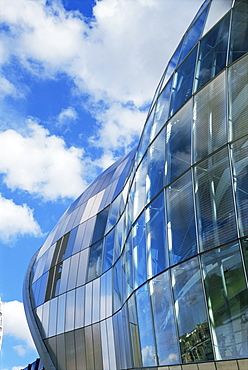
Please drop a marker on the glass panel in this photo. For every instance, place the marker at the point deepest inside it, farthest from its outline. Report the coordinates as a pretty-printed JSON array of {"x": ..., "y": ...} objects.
[
  {"x": 181, "y": 230},
  {"x": 64, "y": 275},
  {"x": 105, "y": 357},
  {"x": 53, "y": 317},
  {"x": 101, "y": 220},
  {"x": 89, "y": 348},
  {"x": 156, "y": 161},
  {"x": 217, "y": 11},
  {"x": 70, "y": 244},
  {"x": 183, "y": 82},
  {"x": 111, "y": 343},
  {"x": 193, "y": 328},
  {"x": 61, "y": 314},
  {"x": 227, "y": 298},
  {"x": 70, "y": 311},
  {"x": 214, "y": 201},
  {"x": 108, "y": 251},
  {"x": 157, "y": 259},
  {"x": 162, "y": 109},
  {"x": 140, "y": 188},
  {"x": 127, "y": 265},
  {"x": 90, "y": 225},
  {"x": 210, "y": 121},
  {"x": 80, "y": 230},
  {"x": 70, "y": 350},
  {"x": 79, "y": 308},
  {"x": 73, "y": 272},
  {"x": 164, "y": 321},
  {"x": 88, "y": 304},
  {"x": 109, "y": 293},
  {"x": 117, "y": 294},
  {"x": 145, "y": 138},
  {"x": 178, "y": 143},
  {"x": 193, "y": 34},
  {"x": 97, "y": 346},
  {"x": 95, "y": 261},
  {"x": 212, "y": 53},
  {"x": 134, "y": 333},
  {"x": 238, "y": 98},
  {"x": 96, "y": 300},
  {"x": 61, "y": 352},
  {"x": 148, "y": 352},
  {"x": 239, "y": 32},
  {"x": 45, "y": 318},
  {"x": 240, "y": 172},
  {"x": 80, "y": 349},
  {"x": 139, "y": 251},
  {"x": 51, "y": 345}
]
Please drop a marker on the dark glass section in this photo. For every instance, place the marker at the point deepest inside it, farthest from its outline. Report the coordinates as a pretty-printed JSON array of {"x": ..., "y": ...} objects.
[
  {"x": 157, "y": 259},
  {"x": 108, "y": 251},
  {"x": 214, "y": 201},
  {"x": 80, "y": 349},
  {"x": 210, "y": 118},
  {"x": 178, "y": 143},
  {"x": 156, "y": 162},
  {"x": 95, "y": 261},
  {"x": 183, "y": 82},
  {"x": 164, "y": 321},
  {"x": 227, "y": 299},
  {"x": 181, "y": 220},
  {"x": 139, "y": 251},
  {"x": 240, "y": 170},
  {"x": 70, "y": 244},
  {"x": 148, "y": 352},
  {"x": 212, "y": 53},
  {"x": 101, "y": 220},
  {"x": 239, "y": 32},
  {"x": 191, "y": 314}
]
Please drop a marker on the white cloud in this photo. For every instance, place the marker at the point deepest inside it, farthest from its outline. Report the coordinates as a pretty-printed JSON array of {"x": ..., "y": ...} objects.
[
  {"x": 66, "y": 116},
  {"x": 16, "y": 220},
  {"x": 7, "y": 88},
  {"x": 15, "y": 324},
  {"x": 40, "y": 163},
  {"x": 118, "y": 58}
]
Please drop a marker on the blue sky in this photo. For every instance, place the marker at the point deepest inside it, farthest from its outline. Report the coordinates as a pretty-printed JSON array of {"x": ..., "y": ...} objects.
[{"x": 76, "y": 80}]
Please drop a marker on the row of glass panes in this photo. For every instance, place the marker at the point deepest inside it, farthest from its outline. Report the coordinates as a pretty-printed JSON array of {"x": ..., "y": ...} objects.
[
  {"x": 170, "y": 314},
  {"x": 170, "y": 230},
  {"x": 211, "y": 56},
  {"x": 175, "y": 140}
]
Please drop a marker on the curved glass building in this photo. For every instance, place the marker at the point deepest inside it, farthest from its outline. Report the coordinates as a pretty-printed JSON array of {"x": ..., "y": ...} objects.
[{"x": 148, "y": 267}]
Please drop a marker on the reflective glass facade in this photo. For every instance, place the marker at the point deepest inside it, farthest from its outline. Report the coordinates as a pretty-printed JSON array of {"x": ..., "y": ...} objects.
[{"x": 148, "y": 267}]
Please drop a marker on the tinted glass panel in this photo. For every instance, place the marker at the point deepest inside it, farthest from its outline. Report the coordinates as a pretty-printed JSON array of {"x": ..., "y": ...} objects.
[
  {"x": 193, "y": 328},
  {"x": 182, "y": 83},
  {"x": 157, "y": 259},
  {"x": 162, "y": 109},
  {"x": 156, "y": 161},
  {"x": 239, "y": 32},
  {"x": 240, "y": 163},
  {"x": 164, "y": 321},
  {"x": 212, "y": 53},
  {"x": 95, "y": 261},
  {"x": 139, "y": 251},
  {"x": 227, "y": 297},
  {"x": 210, "y": 120},
  {"x": 108, "y": 251},
  {"x": 178, "y": 143},
  {"x": 145, "y": 327},
  {"x": 238, "y": 98},
  {"x": 181, "y": 220},
  {"x": 214, "y": 200}
]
